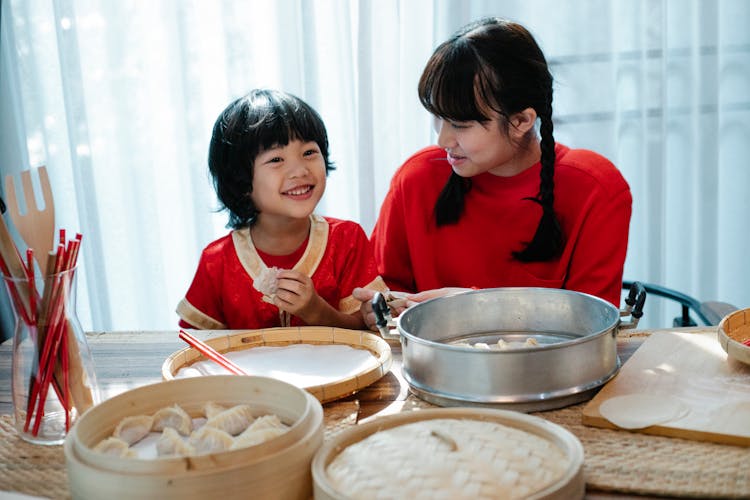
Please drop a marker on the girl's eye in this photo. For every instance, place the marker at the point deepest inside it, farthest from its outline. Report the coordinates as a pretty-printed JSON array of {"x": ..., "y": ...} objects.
[
  {"x": 275, "y": 159},
  {"x": 459, "y": 125},
  {"x": 311, "y": 152}
]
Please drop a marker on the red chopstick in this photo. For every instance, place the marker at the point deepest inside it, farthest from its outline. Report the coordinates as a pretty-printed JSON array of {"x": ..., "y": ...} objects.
[{"x": 211, "y": 353}]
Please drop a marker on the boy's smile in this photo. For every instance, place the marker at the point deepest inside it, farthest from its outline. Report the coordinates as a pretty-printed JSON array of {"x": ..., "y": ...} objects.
[{"x": 301, "y": 192}]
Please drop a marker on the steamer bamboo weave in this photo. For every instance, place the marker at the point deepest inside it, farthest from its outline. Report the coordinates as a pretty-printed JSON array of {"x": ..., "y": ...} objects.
[{"x": 451, "y": 453}]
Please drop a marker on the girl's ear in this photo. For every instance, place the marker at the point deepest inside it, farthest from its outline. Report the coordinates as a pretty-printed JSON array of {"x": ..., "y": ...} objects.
[{"x": 522, "y": 122}]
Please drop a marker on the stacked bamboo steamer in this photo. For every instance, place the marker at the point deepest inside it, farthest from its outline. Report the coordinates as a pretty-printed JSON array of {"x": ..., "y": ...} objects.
[
  {"x": 451, "y": 453},
  {"x": 734, "y": 335},
  {"x": 278, "y": 468}
]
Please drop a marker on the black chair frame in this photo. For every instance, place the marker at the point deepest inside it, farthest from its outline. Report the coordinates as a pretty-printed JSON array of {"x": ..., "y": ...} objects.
[{"x": 708, "y": 313}]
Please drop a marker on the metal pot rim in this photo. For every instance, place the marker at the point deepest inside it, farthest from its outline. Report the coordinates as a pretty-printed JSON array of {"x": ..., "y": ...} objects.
[{"x": 613, "y": 326}]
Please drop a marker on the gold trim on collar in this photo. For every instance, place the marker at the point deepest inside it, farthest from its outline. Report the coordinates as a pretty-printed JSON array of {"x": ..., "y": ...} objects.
[
  {"x": 307, "y": 264},
  {"x": 198, "y": 318}
]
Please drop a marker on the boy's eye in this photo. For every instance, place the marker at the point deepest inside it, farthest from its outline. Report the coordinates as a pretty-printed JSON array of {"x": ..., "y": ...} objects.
[
  {"x": 311, "y": 152},
  {"x": 459, "y": 125},
  {"x": 275, "y": 159}
]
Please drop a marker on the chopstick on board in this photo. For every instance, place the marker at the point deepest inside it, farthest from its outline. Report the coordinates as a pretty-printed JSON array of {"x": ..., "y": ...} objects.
[{"x": 211, "y": 353}]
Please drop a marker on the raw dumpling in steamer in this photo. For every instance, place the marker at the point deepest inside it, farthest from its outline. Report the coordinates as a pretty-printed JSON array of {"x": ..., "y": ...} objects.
[
  {"x": 261, "y": 430},
  {"x": 171, "y": 444},
  {"x": 212, "y": 409},
  {"x": 266, "y": 422},
  {"x": 173, "y": 417},
  {"x": 253, "y": 437},
  {"x": 114, "y": 447},
  {"x": 133, "y": 429},
  {"x": 210, "y": 439},
  {"x": 232, "y": 421}
]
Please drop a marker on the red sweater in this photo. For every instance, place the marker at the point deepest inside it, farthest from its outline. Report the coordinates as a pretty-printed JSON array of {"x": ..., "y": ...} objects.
[{"x": 592, "y": 203}]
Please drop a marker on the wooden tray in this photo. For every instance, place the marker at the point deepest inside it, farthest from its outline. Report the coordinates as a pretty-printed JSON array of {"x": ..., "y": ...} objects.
[
  {"x": 693, "y": 368},
  {"x": 359, "y": 339}
]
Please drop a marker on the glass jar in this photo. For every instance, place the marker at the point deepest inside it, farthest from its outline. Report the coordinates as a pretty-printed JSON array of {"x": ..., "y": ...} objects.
[{"x": 53, "y": 379}]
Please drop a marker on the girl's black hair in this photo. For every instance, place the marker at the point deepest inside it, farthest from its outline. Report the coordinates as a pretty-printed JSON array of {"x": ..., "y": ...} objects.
[
  {"x": 495, "y": 65},
  {"x": 248, "y": 126}
]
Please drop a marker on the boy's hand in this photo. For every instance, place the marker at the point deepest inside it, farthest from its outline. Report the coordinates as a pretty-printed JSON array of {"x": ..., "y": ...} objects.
[{"x": 296, "y": 295}]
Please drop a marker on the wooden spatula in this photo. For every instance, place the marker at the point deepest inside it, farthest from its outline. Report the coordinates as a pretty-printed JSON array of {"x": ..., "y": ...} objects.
[{"x": 36, "y": 226}]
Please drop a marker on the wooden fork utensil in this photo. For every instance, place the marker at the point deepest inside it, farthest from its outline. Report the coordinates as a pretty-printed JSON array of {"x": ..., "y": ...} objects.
[{"x": 36, "y": 226}]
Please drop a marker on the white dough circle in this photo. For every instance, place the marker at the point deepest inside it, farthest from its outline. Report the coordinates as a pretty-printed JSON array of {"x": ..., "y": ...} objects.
[{"x": 636, "y": 411}]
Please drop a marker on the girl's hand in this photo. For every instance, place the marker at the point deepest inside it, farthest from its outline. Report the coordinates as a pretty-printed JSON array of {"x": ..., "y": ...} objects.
[
  {"x": 296, "y": 295},
  {"x": 401, "y": 303},
  {"x": 365, "y": 296},
  {"x": 437, "y": 292}
]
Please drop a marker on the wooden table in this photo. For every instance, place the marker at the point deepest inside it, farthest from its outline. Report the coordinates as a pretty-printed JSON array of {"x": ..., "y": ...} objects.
[{"x": 125, "y": 360}]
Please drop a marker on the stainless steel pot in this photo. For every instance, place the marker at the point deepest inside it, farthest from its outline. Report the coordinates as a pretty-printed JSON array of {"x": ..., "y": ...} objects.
[{"x": 576, "y": 349}]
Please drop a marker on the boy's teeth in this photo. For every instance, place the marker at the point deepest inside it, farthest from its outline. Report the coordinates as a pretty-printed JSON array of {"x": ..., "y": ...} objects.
[{"x": 298, "y": 191}]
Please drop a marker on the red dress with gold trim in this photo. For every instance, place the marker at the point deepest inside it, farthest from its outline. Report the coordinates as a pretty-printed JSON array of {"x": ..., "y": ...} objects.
[{"x": 338, "y": 258}]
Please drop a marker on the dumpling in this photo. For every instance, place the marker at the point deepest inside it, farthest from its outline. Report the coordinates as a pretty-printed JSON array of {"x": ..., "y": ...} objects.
[
  {"x": 173, "y": 417},
  {"x": 212, "y": 409},
  {"x": 266, "y": 422},
  {"x": 531, "y": 342},
  {"x": 133, "y": 429},
  {"x": 267, "y": 282},
  {"x": 209, "y": 440},
  {"x": 171, "y": 444},
  {"x": 114, "y": 447},
  {"x": 250, "y": 438},
  {"x": 232, "y": 421}
]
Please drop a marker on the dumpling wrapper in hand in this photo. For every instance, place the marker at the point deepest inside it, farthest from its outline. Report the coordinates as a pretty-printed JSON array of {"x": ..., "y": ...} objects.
[
  {"x": 637, "y": 411},
  {"x": 267, "y": 283}
]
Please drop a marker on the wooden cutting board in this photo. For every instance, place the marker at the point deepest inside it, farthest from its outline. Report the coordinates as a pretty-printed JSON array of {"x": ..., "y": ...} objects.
[{"x": 695, "y": 369}]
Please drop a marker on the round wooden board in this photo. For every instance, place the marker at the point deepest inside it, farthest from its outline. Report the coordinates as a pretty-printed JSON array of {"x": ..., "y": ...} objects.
[{"x": 232, "y": 340}]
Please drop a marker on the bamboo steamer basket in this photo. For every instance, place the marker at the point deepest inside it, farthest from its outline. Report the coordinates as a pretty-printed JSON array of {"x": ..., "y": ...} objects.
[
  {"x": 313, "y": 335},
  {"x": 278, "y": 468},
  {"x": 733, "y": 330},
  {"x": 569, "y": 486}
]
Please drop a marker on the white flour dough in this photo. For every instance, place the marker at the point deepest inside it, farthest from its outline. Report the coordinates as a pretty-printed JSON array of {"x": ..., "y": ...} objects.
[
  {"x": 303, "y": 365},
  {"x": 636, "y": 411}
]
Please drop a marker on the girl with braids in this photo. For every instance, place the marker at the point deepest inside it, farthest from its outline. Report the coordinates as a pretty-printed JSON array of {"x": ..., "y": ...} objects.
[
  {"x": 281, "y": 265},
  {"x": 495, "y": 204}
]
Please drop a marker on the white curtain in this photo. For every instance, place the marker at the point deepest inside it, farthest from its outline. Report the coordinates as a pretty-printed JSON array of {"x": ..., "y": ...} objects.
[{"x": 118, "y": 100}]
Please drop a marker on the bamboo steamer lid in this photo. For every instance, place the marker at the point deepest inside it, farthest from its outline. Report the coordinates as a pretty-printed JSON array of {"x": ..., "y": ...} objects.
[
  {"x": 278, "y": 468},
  {"x": 401, "y": 471},
  {"x": 313, "y": 335}
]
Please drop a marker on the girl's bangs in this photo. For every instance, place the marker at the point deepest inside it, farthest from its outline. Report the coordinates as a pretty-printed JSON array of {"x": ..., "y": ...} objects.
[{"x": 448, "y": 85}]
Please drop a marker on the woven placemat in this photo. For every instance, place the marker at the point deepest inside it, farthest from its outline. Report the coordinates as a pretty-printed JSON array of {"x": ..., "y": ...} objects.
[
  {"x": 30, "y": 469},
  {"x": 629, "y": 462},
  {"x": 616, "y": 461}
]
